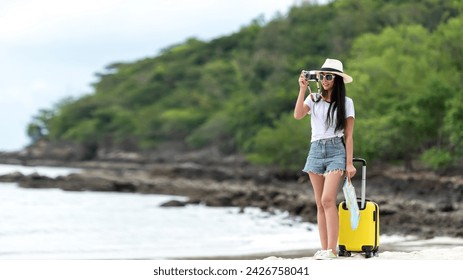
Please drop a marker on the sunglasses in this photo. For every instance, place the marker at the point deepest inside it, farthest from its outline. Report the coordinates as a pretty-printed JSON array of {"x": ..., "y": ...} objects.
[{"x": 328, "y": 77}]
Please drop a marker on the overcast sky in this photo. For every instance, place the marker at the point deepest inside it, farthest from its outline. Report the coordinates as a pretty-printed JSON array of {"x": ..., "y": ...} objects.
[{"x": 51, "y": 49}]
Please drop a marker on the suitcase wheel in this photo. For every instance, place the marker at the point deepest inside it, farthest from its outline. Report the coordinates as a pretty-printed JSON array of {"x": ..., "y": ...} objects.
[
  {"x": 370, "y": 254},
  {"x": 344, "y": 253}
]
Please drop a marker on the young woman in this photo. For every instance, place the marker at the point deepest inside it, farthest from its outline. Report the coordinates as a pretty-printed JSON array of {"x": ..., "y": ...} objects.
[{"x": 331, "y": 148}]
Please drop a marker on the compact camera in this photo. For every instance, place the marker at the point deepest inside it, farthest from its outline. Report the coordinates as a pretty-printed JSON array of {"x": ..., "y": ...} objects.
[{"x": 310, "y": 75}]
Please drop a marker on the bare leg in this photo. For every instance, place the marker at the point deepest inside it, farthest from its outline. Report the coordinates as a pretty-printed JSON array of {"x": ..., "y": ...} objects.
[
  {"x": 317, "y": 183},
  {"x": 328, "y": 201}
]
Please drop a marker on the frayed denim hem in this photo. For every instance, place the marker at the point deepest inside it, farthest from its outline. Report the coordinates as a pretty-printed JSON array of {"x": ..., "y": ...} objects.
[{"x": 326, "y": 173}]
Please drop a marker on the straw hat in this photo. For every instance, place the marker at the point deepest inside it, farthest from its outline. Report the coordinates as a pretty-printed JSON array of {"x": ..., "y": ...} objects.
[{"x": 334, "y": 66}]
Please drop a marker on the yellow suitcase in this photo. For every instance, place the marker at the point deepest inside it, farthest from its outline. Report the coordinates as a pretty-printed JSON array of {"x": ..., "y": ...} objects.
[{"x": 365, "y": 238}]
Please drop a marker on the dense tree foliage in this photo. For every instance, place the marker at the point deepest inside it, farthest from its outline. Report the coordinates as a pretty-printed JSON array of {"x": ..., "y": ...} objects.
[{"x": 237, "y": 92}]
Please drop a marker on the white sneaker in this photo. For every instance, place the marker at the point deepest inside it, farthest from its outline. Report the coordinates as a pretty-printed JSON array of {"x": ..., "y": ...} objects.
[
  {"x": 318, "y": 254},
  {"x": 325, "y": 255}
]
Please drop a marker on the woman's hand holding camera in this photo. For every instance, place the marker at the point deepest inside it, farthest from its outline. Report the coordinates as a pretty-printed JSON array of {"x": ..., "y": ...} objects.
[{"x": 303, "y": 83}]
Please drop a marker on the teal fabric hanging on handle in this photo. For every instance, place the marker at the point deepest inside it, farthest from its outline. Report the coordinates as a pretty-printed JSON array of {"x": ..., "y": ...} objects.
[{"x": 351, "y": 202}]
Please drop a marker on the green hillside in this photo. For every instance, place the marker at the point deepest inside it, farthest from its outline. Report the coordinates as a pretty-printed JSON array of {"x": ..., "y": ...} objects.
[{"x": 238, "y": 92}]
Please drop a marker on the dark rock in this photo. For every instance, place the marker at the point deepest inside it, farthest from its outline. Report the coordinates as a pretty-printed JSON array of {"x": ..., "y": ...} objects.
[
  {"x": 173, "y": 203},
  {"x": 11, "y": 177},
  {"x": 124, "y": 187},
  {"x": 446, "y": 207},
  {"x": 221, "y": 200},
  {"x": 387, "y": 210}
]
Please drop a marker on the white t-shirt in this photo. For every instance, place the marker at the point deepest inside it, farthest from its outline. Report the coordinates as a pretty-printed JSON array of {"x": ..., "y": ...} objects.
[{"x": 318, "y": 111}]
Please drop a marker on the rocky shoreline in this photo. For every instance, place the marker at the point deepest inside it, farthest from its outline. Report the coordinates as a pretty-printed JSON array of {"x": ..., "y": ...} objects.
[{"x": 424, "y": 204}]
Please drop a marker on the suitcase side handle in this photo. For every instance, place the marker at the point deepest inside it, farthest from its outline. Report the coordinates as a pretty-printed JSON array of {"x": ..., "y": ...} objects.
[
  {"x": 364, "y": 179},
  {"x": 363, "y": 161}
]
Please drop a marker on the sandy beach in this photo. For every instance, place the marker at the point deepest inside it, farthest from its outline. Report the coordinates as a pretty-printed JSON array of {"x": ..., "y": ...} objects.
[
  {"x": 438, "y": 248},
  {"x": 394, "y": 248}
]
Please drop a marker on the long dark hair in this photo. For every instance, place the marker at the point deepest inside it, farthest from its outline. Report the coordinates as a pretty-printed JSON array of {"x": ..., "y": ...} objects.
[{"x": 337, "y": 104}]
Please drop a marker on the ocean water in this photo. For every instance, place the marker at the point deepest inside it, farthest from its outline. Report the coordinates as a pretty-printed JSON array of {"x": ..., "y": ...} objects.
[{"x": 56, "y": 224}]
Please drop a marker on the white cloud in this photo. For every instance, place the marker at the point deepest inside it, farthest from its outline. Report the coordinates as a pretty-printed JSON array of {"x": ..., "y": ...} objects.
[
  {"x": 39, "y": 21},
  {"x": 45, "y": 21},
  {"x": 50, "y": 49}
]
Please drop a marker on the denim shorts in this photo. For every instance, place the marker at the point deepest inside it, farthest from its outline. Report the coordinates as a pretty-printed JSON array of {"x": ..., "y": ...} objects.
[{"x": 326, "y": 155}]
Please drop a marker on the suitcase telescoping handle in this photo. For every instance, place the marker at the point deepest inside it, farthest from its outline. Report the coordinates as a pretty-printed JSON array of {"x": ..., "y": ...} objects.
[{"x": 364, "y": 180}]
